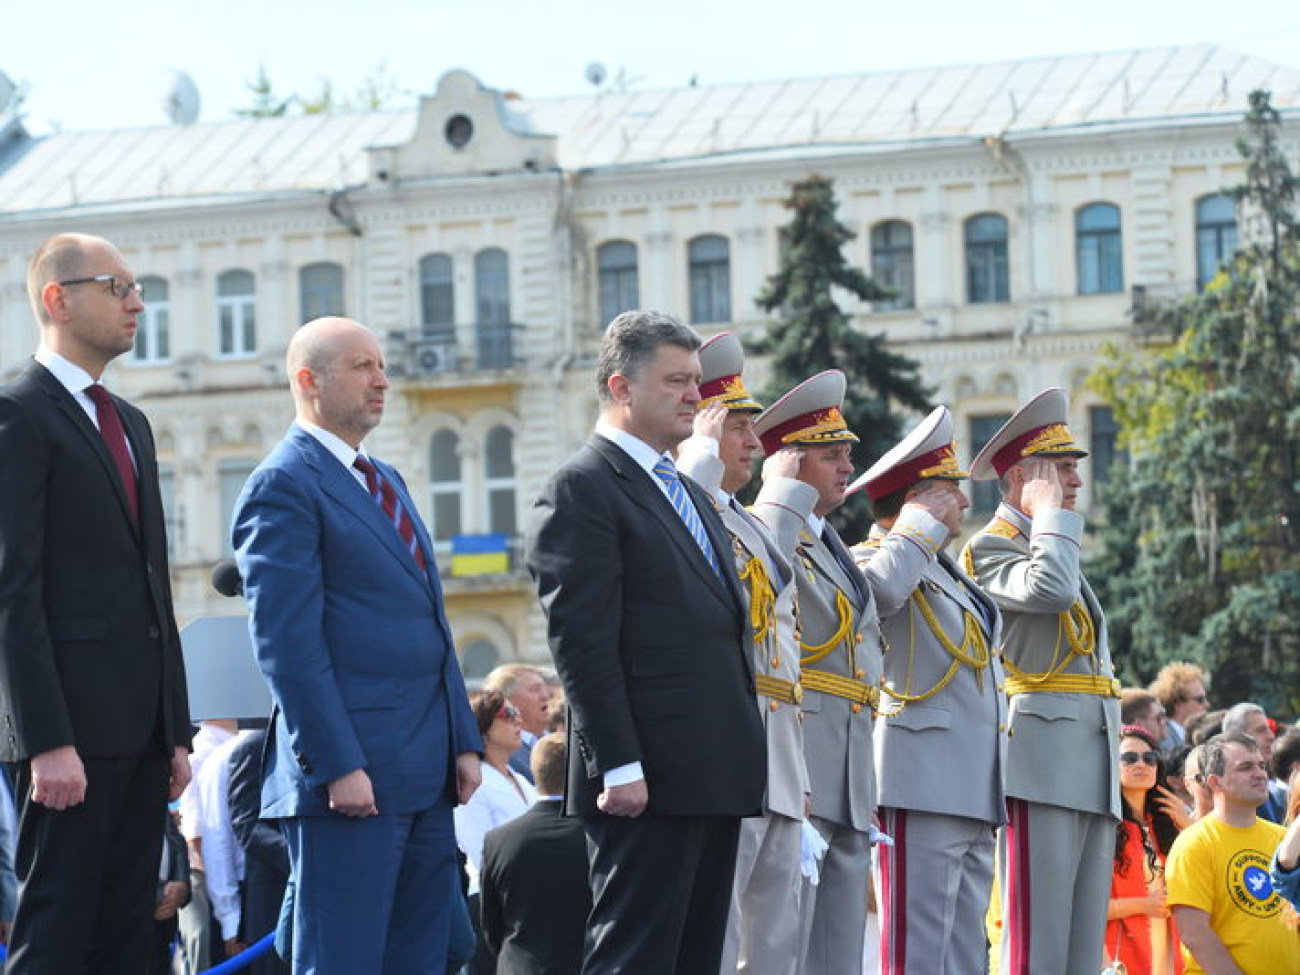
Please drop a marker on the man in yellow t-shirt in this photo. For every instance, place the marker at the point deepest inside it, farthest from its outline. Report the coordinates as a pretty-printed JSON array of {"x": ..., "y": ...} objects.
[{"x": 1228, "y": 914}]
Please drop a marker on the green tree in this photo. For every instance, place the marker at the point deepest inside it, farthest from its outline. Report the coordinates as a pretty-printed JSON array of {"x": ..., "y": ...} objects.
[
  {"x": 266, "y": 103},
  {"x": 378, "y": 90},
  {"x": 811, "y": 334},
  {"x": 1201, "y": 559}
]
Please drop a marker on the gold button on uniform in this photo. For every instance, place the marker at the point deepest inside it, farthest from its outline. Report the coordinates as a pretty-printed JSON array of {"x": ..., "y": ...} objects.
[
  {"x": 776, "y": 662},
  {"x": 857, "y": 709},
  {"x": 859, "y": 674},
  {"x": 773, "y": 706}
]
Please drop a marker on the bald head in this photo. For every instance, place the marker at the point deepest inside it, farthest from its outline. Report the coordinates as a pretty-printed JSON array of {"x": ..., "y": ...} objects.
[{"x": 336, "y": 373}]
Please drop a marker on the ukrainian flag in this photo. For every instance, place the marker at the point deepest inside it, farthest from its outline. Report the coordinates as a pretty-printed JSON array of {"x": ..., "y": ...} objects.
[{"x": 479, "y": 555}]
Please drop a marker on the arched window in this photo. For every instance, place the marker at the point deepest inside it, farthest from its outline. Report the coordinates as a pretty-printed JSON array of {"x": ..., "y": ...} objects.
[
  {"x": 437, "y": 294},
  {"x": 891, "y": 262},
  {"x": 445, "y": 486},
  {"x": 478, "y": 658},
  {"x": 499, "y": 480},
  {"x": 709, "y": 258},
  {"x": 1098, "y": 249},
  {"x": 153, "y": 338},
  {"x": 987, "y": 276},
  {"x": 1216, "y": 236},
  {"x": 616, "y": 267},
  {"x": 236, "y": 318},
  {"x": 320, "y": 288}
]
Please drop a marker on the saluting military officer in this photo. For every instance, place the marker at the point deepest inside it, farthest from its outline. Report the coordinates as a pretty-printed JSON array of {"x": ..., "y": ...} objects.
[
  {"x": 1056, "y": 851},
  {"x": 763, "y": 926},
  {"x": 940, "y": 743},
  {"x": 840, "y": 647}
]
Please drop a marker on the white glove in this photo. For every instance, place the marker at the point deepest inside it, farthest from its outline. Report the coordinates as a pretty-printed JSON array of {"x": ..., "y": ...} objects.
[{"x": 811, "y": 849}]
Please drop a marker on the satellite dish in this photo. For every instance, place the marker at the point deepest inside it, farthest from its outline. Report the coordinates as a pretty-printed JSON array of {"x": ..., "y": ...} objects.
[
  {"x": 181, "y": 101},
  {"x": 595, "y": 74}
]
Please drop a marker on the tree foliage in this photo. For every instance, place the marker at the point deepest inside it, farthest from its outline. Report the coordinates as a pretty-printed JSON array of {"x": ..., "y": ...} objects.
[
  {"x": 378, "y": 90},
  {"x": 811, "y": 334},
  {"x": 1201, "y": 559}
]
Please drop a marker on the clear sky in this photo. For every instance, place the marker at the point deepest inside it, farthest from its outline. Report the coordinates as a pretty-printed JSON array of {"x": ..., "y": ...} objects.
[{"x": 96, "y": 65}]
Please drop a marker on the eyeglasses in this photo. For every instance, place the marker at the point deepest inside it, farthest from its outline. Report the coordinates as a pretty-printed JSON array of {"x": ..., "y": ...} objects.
[
  {"x": 117, "y": 287},
  {"x": 509, "y": 712},
  {"x": 1132, "y": 758}
]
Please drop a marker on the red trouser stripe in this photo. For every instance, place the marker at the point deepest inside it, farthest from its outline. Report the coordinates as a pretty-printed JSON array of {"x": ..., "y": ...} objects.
[
  {"x": 1019, "y": 898},
  {"x": 893, "y": 895}
]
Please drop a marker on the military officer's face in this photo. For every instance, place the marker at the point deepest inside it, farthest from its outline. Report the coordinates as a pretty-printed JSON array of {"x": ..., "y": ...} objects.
[
  {"x": 737, "y": 449},
  {"x": 955, "y": 513},
  {"x": 1067, "y": 471},
  {"x": 827, "y": 467}
]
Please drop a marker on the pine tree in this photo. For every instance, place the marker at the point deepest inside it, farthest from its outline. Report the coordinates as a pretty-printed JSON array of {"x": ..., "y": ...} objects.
[
  {"x": 1201, "y": 557},
  {"x": 812, "y": 334}
]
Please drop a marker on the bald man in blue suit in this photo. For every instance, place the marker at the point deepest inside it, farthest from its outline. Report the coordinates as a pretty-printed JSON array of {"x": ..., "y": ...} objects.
[{"x": 372, "y": 741}]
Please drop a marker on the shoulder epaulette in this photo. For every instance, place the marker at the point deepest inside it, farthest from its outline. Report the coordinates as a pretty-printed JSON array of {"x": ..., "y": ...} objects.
[{"x": 1002, "y": 528}]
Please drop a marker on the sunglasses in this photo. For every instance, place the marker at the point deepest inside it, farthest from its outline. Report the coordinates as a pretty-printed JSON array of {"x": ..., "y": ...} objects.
[
  {"x": 1132, "y": 758},
  {"x": 509, "y": 712}
]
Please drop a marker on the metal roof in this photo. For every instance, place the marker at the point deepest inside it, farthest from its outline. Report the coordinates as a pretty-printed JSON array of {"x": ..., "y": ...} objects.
[{"x": 263, "y": 157}]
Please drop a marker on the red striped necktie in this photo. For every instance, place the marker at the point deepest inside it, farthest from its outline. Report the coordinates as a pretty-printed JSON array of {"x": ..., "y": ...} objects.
[
  {"x": 386, "y": 497},
  {"x": 110, "y": 428}
]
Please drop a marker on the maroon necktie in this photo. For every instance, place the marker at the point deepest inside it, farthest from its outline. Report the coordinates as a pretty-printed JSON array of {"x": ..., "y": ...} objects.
[
  {"x": 386, "y": 496},
  {"x": 110, "y": 428}
]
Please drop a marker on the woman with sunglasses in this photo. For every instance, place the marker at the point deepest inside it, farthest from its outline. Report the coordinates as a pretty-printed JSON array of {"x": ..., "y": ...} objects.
[
  {"x": 1140, "y": 933},
  {"x": 504, "y": 793}
]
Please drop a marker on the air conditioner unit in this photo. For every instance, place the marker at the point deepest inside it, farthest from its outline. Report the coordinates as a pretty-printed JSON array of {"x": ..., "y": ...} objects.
[{"x": 434, "y": 357}]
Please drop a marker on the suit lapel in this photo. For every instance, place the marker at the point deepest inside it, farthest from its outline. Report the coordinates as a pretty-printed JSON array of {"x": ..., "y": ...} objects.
[
  {"x": 344, "y": 490},
  {"x": 72, "y": 410},
  {"x": 756, "y": 541},
  {"x": 832, "y": 564},
  {"x": 636, "y": 484}
]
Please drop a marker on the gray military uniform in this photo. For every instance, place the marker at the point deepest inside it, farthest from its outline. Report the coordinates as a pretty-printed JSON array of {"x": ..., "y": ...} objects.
[
  {"x": 841, "y": 646},
  {"x": 940, "y": 746},
  {"x": 763, "y": 933},
  {"x": 1062, "y": 772}
]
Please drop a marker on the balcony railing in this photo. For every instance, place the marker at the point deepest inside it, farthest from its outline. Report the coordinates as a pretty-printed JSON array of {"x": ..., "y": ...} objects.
[{"x": 437, "y": 350}]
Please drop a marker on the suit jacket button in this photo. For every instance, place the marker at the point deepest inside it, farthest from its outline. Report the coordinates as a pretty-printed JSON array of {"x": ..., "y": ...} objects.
[{"x": 153, "y": 632}]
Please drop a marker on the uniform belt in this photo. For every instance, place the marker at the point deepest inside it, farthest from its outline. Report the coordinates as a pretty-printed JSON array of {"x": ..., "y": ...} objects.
[
  {"x": 786, "y": 691},
  {"x": 845, "y": 687},
  {"x": 1063, "y": 684}
]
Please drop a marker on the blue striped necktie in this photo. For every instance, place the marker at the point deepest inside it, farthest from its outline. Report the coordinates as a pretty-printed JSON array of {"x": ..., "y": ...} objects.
[{"x": 681, "y": 501}]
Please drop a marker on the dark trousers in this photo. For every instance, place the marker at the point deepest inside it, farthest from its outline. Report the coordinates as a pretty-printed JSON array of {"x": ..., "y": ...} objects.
[
  {"x": 88, "y": 875},
  {"x": 661, "y": 889}
]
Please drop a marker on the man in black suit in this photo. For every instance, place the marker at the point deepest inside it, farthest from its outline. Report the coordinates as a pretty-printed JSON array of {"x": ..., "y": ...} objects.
[
  {"x": 266, "y": 857},
  {"x": 646, "y": 625},
  {"x": 92, "y": 686},
  {"x": 534, "y": 896}
]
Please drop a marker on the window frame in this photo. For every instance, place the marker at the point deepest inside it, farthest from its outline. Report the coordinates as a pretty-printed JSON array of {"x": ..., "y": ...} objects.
[
  {"x": 242, "y": 309},
  {"x": 709, "y": 277},
  {"x": 987, "y": 260},
  {"x": 1099, "y": 250}
]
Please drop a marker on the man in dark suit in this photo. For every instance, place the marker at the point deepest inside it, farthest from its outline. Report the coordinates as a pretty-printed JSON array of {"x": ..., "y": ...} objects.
[
  {"x": 92, "y": 687},
  {"x": 372, "y": 741},
  {"x": 646, "y": 624},
  {"x": 534, "y": 896},
  {"x": 266, "y": 858}
]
